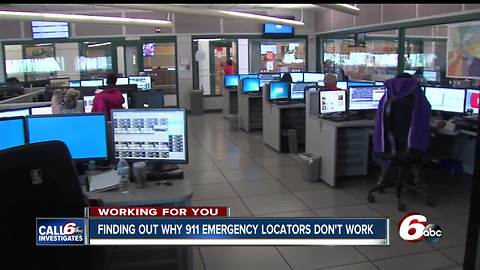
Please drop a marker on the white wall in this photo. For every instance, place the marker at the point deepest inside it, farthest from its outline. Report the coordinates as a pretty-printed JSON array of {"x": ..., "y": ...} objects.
[
  {"x": 185, "y": 82},
  {"x": 243, "y": 56}
]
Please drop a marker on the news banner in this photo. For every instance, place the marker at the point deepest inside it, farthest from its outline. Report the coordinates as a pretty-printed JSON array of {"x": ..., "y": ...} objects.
[{"x": 204, "y": 226}]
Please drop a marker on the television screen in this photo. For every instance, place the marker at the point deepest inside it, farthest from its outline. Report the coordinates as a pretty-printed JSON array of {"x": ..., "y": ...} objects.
[
  {"x": 43, "y": 29},
  {"x": 277, "y": 29},
  {"x": 149, "y": 49}
]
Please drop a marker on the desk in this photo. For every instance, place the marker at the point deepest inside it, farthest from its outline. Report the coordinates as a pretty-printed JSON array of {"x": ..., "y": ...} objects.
[
  {"x": 178, "y": 194},
  {"x": 278, "y": 117},
  {"x": 250, "y": 111},
  {"x": 230, "y": 101}
]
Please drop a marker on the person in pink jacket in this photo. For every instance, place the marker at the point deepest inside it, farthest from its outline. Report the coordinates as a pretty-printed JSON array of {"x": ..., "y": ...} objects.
[{"x": 109, "y": 98}]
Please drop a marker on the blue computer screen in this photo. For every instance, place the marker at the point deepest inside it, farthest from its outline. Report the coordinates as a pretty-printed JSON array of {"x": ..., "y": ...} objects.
[
  {"x": 354, "y": 84},
  {"x": 251, "y": 85},
  {"x": 230, "y": 80},
  {"x": 272, "y": 28},
  {"x": 74, "y": 83},
  {"x": 85, "y": 135},
  {"x": 279, "y": 90},
  {"x": 244, "y": 76},
  {"x": 379, "y": 83},
  {"x": 13, "y": 133}
]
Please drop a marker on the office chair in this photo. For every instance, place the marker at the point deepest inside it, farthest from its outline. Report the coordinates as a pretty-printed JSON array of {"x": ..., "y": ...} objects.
[
  {"x": 57, "y": 194},
  {"x": 397, "y": 155}
]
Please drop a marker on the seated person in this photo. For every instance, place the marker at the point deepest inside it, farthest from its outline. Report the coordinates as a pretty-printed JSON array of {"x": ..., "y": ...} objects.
[
  {"x": 286, "y": 77},
  {"x": 330, "y": 81},
  {"x": 109, "y": 98},
  {"x": 419, "y": 131},
  {"x": 65, "y": 101}
]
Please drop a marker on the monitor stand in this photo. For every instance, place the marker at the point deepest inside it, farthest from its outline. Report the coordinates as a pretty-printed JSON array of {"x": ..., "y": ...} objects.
[{"x": 161, "y": 171}]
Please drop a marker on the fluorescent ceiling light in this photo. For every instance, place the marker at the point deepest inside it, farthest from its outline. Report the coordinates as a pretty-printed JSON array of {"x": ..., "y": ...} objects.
[
  {"x": 98, "y": 44},
  {"x": 208, "y": 39},
  {"x": 261, "y": 17},
  {"x": 349, "y": 6},
  {"x": 6, "y": 15}
]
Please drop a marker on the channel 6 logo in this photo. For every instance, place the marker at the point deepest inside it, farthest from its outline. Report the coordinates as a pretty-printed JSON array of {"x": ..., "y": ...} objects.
[
  {"x": 60, "y": 231},
  {"x": 413, "y": 227}
]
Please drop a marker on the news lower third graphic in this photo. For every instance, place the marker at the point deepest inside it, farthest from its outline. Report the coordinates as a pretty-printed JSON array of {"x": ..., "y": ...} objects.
[
  {"x": 413, "y": 227},
  {"x": 60, "y": 231}
]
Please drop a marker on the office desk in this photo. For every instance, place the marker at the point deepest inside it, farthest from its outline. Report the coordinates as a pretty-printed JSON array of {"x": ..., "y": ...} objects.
[
  {"x": 277, "y": 118},
  {"x": 250, "y": 110},
  {"x": 178, "y": 194},
  {"x": 230, "y": 101}
]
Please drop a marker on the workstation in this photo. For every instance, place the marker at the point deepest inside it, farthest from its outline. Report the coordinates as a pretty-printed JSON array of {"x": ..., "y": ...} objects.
[{"x": 288, "y": 123}]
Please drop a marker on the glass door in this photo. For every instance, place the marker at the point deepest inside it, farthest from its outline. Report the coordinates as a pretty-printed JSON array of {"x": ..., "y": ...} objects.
[{"x": 220, "y": 52}]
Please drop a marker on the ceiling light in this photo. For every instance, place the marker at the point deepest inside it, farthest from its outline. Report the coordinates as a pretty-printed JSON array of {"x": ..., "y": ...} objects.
[
  {"x": 98, "y": 44},
  {"x": 349, "y": 6},
  {"x": 6, "y": 15},
  {"x": 261, "y": 17}
]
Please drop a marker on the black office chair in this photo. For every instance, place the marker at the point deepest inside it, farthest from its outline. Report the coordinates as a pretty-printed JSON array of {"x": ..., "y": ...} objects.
[
  {"x": 23, "y": 199},
  {"x": 397, "y": 155}
]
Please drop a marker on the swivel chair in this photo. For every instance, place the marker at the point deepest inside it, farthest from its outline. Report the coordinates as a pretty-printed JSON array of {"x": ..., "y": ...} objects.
[
  {"x": 53, "y": 190},
  {"x": 398, "y": 156}
]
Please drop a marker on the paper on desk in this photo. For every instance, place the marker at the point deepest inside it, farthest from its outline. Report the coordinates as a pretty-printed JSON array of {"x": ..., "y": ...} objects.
[{"x": 103, "y": 181}]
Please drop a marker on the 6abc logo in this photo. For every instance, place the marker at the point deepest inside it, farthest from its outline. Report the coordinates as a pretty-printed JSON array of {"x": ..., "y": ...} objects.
[{"x": 413, "y": 228}]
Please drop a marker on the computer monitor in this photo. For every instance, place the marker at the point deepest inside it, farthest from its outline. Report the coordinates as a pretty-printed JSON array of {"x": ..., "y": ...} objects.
[
  {"x": 268, "y": 77},
  {"x": 379, "y": 83},
  {"x": 244, "y": 76},
  {"x": 74, "y": 83},
  {"x": 297, "y": 91},
  {"x": 409, "y": 71},
  {"x": 472, "y": 101},
  {"x": 88, "y": 102},
  {"x": 13, "y": 132},
  {"x": 230, "y": 81},
  {"x": 147, "y": 99},
  {"x": 250, "y": 85},
  {"x": 41, "y": 110},
  {"x": 158, "y": 135},
  {"x": 91, "y": 83},
  {"x": 446, "y": 99},
  {"x": 296, "y": 76},
  {"x": 84, "y": 134},
  {"x": 430, "y": 75},
  {"x": 358, "y": 83},
  {"x": 332, "y": 101},
  {"x": 279, "y": 91},
  {"x": 365, "y": 98},
  {"x": 15, "y": 112},
  {"x": 313, "y": 77},
  {"x": 143, "y": 82},
  {"x": 64, "y": 82},
  {"x": 342, "y": 85},
  {"x": 120, "y": 81}
]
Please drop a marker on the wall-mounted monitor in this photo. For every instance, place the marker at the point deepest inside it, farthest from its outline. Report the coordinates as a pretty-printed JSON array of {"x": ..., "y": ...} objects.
[
  {"x": 44, "y": 29},
  {"x": 272, "y": 29},
  {"x": 149, "y": 49}
]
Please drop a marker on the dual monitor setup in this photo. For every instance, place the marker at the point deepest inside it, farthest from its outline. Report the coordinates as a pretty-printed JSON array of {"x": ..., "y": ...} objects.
[
  {"x": 144, "y": 83},
  {"x": 153, "y": 135}
]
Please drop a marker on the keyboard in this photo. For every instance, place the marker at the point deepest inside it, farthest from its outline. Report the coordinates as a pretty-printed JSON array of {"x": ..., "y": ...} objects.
[{"x": 343, "y": 117}]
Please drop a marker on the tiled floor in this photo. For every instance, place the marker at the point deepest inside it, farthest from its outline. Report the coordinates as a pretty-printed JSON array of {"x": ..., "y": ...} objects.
[{"x": 235, "y": 168}]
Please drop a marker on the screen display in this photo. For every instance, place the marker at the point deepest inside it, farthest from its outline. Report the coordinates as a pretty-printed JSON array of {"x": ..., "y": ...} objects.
[
  {"x": 84, "y": 134},
  {"x": 445, "y": 99},
  {"x": 149, "y": 49},
  {"x": 379, "y": 83},
  {"x": 155, "y": 134},
  {"x": 430, "y": 76},
  {"x": 91, "y": 83},
  {"x": 41, "y": 110},
  {"x": 88, "y": 102},
  {"x": 142, "y": 82},
  {"x": 272, "y": 28},
  {"x": 296, "y": 76},
  {"x": 332, "y": 101},
  {"x": 342, "y": 85},
  {"x": 265, "y": 48},
  {"x": 56, "y": 82},
  {"x": 409, "y": 71},
  {"x": 243, "y": 76},
  {"x": 120, "y": 81},
  {"x": 13, "y": 133},
  {"x": 13, "y": 113},
  {"x": 251, "y": 85},
  {"x": 365, "y": 98},
  {"x": 42, "y": 29},
  {"x": 298, "y": 89},
  {"x": 268, "y": 77},
  {"x": 355, "y": 84},
  {"x": 472, "y": 101},
  {"x": 313, "y": 77},
  {"x": 75, "y": 83},
  {"x": 230, "y": 80},
  {"x": 279, "y": 90}
]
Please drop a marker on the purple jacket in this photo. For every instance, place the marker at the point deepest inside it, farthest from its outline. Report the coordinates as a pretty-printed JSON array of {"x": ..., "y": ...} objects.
[{"x": 419, "y": 134}]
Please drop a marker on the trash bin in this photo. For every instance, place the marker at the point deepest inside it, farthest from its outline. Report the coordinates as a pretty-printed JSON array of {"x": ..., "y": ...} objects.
[
  {"x": 196, "y": 102},
  {"x": 311, "y": 166},
  {"x": 233, "y": 120}
]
